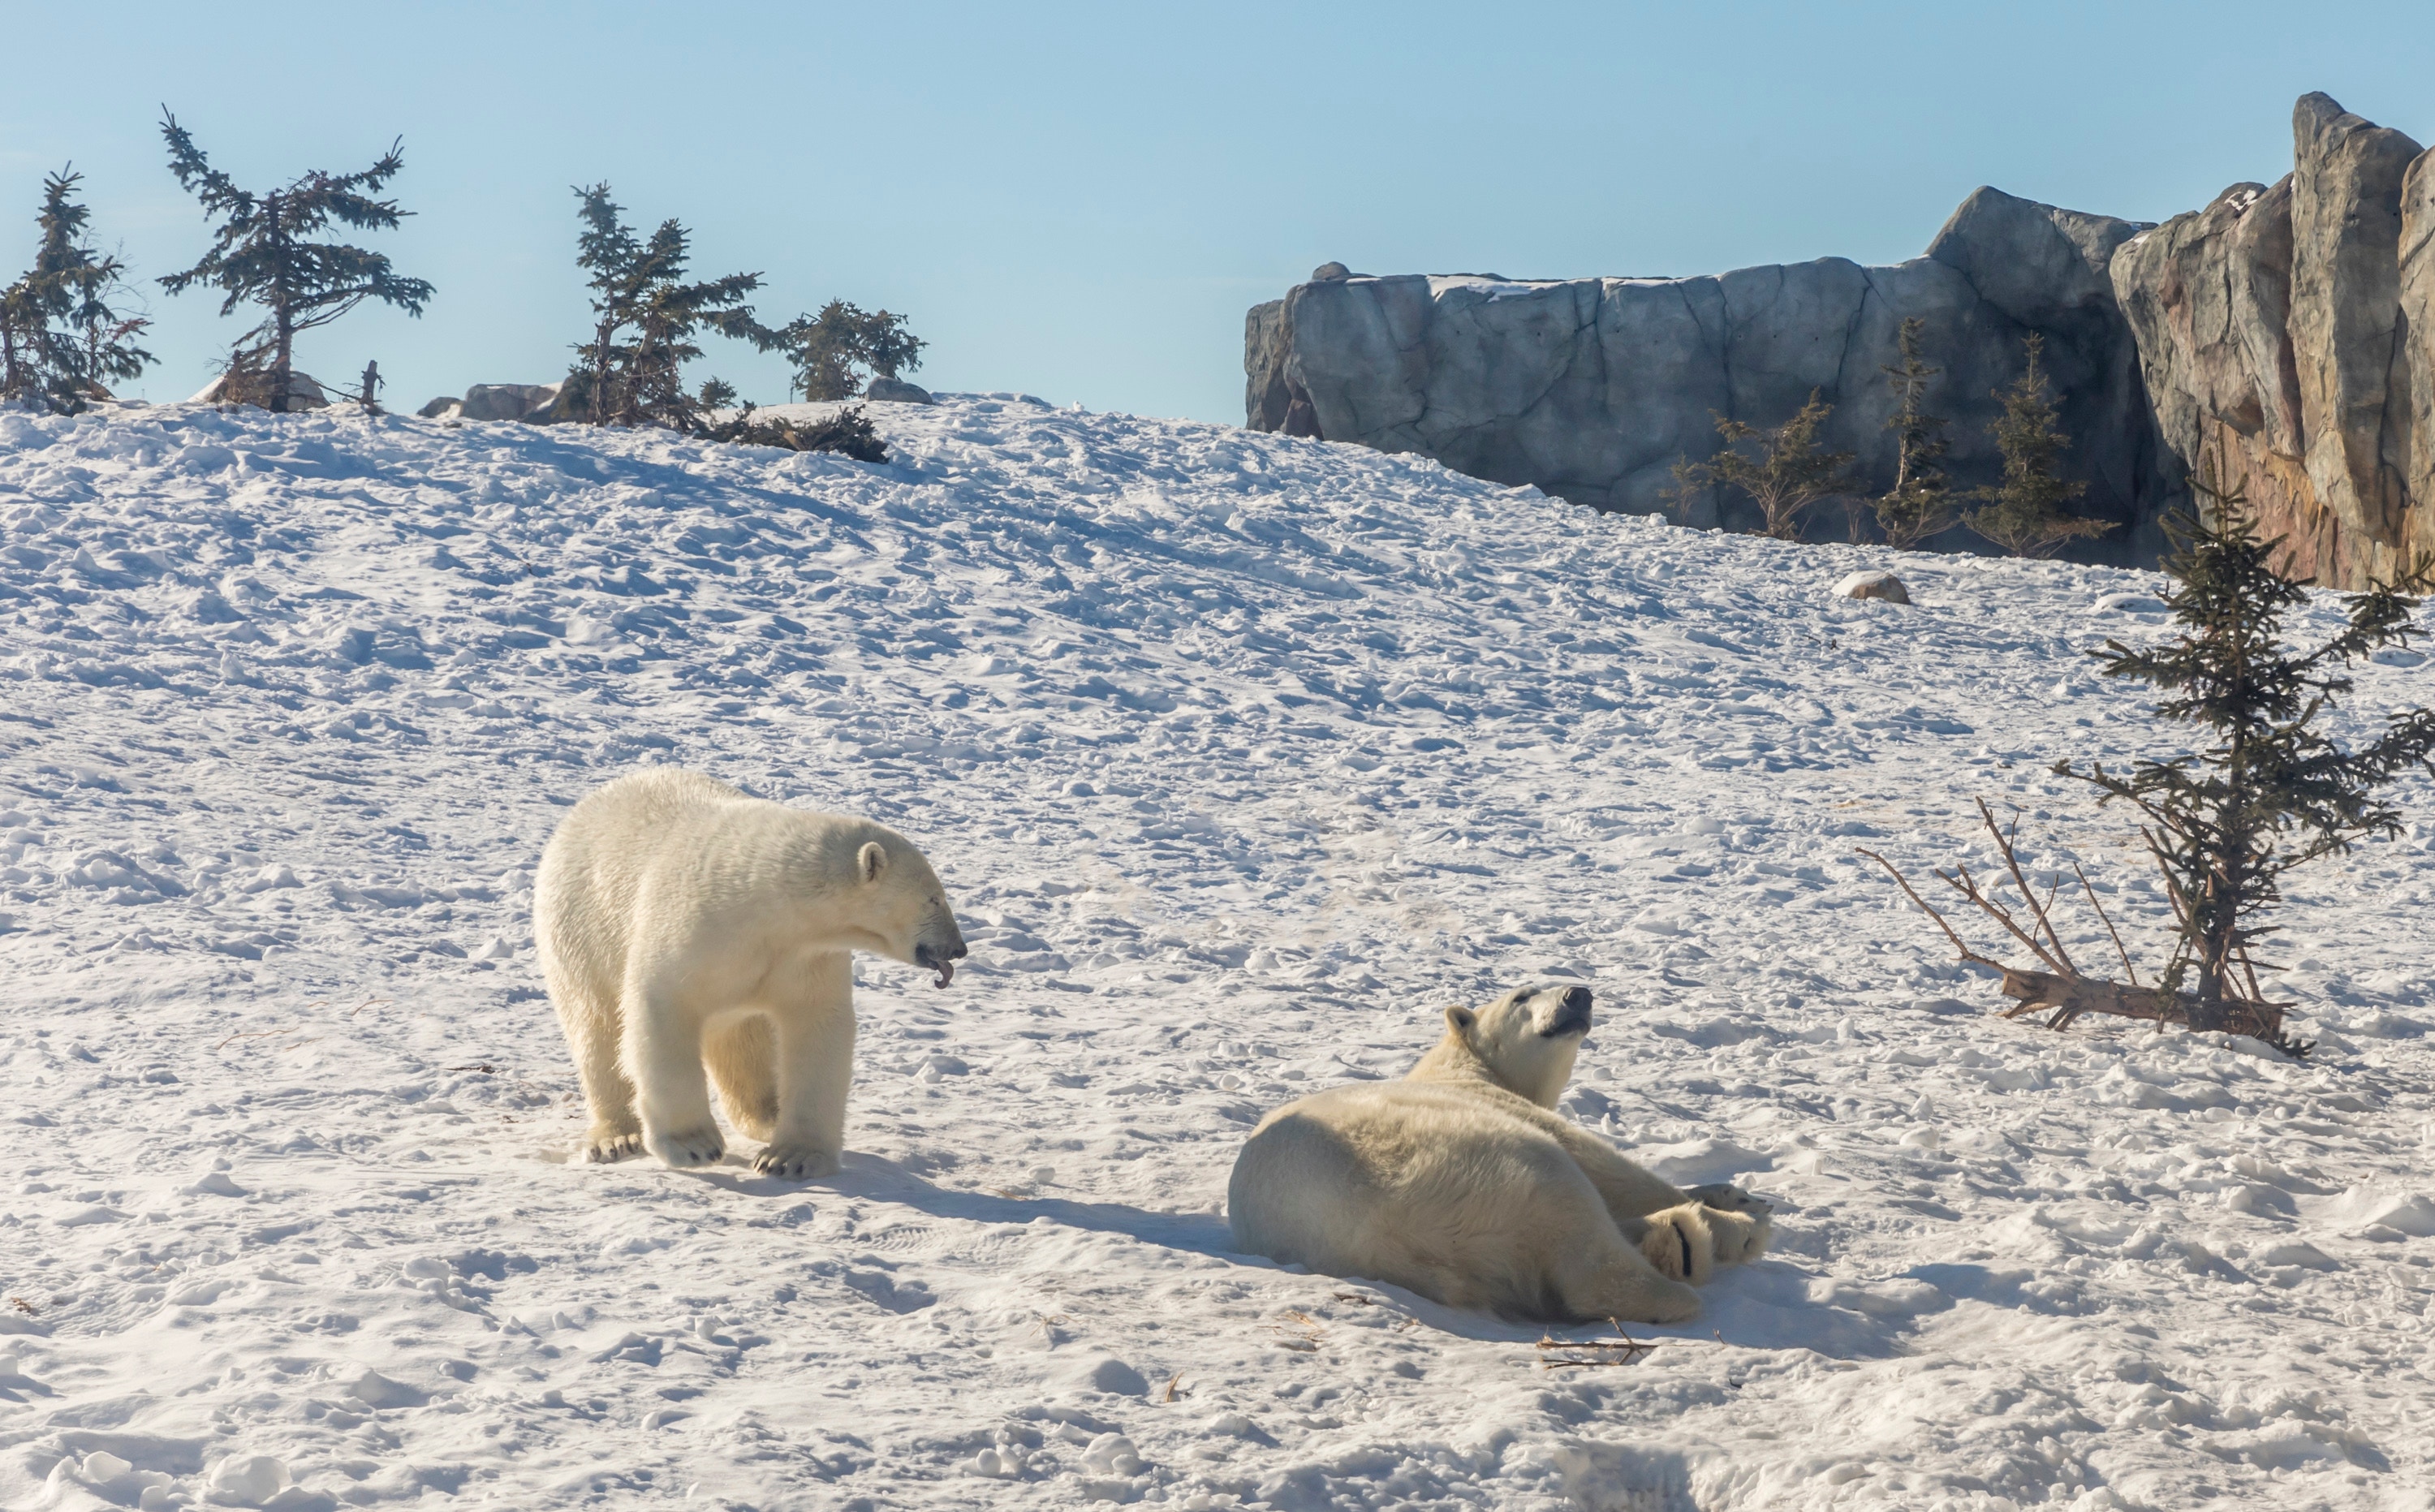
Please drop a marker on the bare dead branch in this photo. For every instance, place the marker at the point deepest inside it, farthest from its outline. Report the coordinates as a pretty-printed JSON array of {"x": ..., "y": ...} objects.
[
  {"x": 2061, "y": 959},
  {"x": 1967, "y": 886},
  {"x": 1903, "y": 883},
  {"x": 2127, "y": 969},
  {"x": 1565, "y": 1354},
  {"x": 2063, "y": 995}
]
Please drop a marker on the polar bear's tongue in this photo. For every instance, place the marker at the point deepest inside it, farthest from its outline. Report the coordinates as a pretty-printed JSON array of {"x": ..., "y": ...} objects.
[{"x": 946, "y": 974}]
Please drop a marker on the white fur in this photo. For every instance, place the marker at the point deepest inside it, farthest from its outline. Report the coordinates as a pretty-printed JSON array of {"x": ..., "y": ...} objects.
[
  {"x": 681, "y": 924},
  {"x": 1460, "y": 1183}
]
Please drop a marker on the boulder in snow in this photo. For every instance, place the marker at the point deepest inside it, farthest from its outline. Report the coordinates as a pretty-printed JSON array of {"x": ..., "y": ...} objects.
[
  {"x": 302, "y": 392},
  {"x": 1873, "y": 585},
  {"x": 896, "y": 391}
]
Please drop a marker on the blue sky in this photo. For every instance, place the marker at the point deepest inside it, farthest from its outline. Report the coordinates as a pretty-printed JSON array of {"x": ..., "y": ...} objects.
[{"x": 1080, "y": 200}]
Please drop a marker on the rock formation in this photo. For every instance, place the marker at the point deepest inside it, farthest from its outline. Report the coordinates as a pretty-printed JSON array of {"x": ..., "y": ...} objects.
[
  {"x": 888, "y": 391},
  {"x": 302, "y": 392},
  {"x": 2288, "y": 335},
  {"x": 2289, "y": 331},
  {"x": 525, "y": 401},
  {"x": 1594, "y": 388}
]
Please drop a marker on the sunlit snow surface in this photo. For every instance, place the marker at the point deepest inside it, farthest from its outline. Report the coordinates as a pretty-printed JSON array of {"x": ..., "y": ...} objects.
[{"x": 1241, "y": 757}]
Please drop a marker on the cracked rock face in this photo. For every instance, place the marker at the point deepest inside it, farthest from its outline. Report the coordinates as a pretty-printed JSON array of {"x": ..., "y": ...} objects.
[
  {"x": 1594, "y": 388},
  {"x": 2287, "y": 337}
]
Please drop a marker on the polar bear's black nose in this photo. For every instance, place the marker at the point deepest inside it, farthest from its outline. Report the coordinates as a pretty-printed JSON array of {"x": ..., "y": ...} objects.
[{"x": 1576, "y": 1000}]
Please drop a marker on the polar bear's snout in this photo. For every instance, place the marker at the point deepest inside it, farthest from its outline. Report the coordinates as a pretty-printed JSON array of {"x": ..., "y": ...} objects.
[
  {"x": 1568, "y": 1014},
  {"x": 940, "y": 949}
]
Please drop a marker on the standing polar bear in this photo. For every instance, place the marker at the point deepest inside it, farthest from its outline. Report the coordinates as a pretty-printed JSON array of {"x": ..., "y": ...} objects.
[
  {"x": 684, "y": 924},
  {"x": 1460, "y": 1183}
]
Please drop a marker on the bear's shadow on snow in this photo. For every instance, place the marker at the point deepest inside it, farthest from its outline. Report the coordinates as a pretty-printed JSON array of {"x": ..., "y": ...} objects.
[
  {"x": 1766, "y": 1305},
  {"x": 884, "y": 1180}
]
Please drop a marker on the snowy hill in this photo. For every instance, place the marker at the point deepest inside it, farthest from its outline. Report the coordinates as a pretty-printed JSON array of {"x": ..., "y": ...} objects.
[{"x": 1241, "y": 757}]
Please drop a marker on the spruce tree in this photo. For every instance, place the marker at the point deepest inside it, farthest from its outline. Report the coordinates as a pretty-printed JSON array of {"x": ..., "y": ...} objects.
[
  {"x": 830, "y": 350},
  {"x": 645, "y": 318},
  {"x": 1919, "y": 505},
  {"x": 263, "y": 254},
  {"x": 1786, "y": 470},
  {"x": 2025, "y": 513},
  {"x": 61, "y": 342},
  {"x": 2270, "y": 791}
]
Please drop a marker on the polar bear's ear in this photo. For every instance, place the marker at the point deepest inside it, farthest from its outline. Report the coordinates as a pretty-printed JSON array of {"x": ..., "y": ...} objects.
[
  {"x": 1460, "y": 1019},
  {"x": 870, "y": 861}
]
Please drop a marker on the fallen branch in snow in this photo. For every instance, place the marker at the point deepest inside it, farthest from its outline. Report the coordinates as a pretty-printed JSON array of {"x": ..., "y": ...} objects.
[
  {"x": 1621, "y": 1350},
  {"x": 2063, "y": 992}
]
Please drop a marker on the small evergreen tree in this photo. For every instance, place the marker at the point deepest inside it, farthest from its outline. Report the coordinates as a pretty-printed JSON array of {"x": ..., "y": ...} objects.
[
  {"x": 61, "y": 342},
  {"x": 2270, "y": 791},
  {"x": 263, "y": 254},
  {"x": 1919, "y": 505},
  {"x": 1785, "y": 473},
  {"x": 2025, "y": 513},
  {"x": 830, "y": 350},
  {"x": 645, "y": 318}
]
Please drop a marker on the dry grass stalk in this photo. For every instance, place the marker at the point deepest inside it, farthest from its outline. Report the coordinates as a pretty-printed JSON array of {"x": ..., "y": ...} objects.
[
  {"x": 257, "y": 1034},
  {"x": 1306, "y": 1332}
]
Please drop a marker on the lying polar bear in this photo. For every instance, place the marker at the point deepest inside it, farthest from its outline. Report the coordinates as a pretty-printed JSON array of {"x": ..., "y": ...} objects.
[
  {"x": 1459, "y": 1183},
  {"x": 683, "y": 923}
]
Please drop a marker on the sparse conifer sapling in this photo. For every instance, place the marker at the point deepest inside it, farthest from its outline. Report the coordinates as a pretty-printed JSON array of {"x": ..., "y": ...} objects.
[
  {"x": 62, "y": 339},
  {"x": 2025, "y": 512},
  {"x": 1920, "y": 504},
  {"x": 264, "y": 253},
  {"x": 1784, "y": 470},
  {"x": 2269, "y": 790},
  {"x": 832, "y": 351},
  {"x": 645, "y": 318}
]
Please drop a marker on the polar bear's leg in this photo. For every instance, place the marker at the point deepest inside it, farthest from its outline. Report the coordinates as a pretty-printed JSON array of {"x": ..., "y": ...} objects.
[
  {"x": 815, "y": 1063},
  {"x": 1606, "y": 1278},
  {"x": 591, "y": 1027},
  {"x": 662, "y": 1055},
  {"x": 741, "y": 1055}
]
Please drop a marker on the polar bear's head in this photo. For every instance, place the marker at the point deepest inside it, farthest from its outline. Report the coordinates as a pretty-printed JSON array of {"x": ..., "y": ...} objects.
[
  {"x": 1528, "y": 1038},
  {"x": 899, "y": 910}
]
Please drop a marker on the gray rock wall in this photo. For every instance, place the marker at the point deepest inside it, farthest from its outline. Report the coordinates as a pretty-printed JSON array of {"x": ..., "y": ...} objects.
[
  {"x": 1594, "y": 388},
  {"x": 2287, "y": 337}
]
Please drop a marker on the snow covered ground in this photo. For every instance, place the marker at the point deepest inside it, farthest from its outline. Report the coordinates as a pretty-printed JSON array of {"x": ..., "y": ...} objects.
[{"x": 1241, "y": 757}]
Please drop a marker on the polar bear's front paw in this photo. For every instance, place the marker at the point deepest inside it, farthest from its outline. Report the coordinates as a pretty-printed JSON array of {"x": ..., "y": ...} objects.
[
  {"x": 1726, "y": 1197},
  {"x": 604, "y": 1147},
  {"x": 699, "y": 1146},
  {"x": 797, "y": 1163},
  {"x": 1738, "y": 1237},
  {"x": 1680, "y": 1245}
]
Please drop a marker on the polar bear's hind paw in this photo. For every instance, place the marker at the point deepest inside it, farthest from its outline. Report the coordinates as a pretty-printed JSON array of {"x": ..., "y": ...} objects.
[{"x": 797, "y": 1163}]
